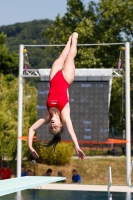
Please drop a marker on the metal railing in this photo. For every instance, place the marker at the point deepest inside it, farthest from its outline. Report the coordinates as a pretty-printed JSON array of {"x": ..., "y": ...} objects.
[
  {"x": 109, "y": 183},
  {"x": 129, "y": 182}
]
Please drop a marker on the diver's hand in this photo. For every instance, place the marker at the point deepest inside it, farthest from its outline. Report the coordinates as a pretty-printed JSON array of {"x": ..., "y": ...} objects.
[
  {"x": 33, "y": 152},
  {"x": 80, "y": 153}
]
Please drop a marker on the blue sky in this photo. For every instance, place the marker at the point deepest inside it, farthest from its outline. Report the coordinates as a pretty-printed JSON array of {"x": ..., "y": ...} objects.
[{"x": 13, "y": 11}]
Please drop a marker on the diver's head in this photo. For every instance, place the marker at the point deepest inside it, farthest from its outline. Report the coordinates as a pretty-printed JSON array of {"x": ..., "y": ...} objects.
[
  {"x": 55, "y": 128},
  {"x": 55, "y": 125}
]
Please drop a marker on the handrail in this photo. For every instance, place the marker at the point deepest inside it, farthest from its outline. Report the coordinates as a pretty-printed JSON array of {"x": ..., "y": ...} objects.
[
  {"x": 130, "y": 174},
  {"x": 109, "y": 183}
]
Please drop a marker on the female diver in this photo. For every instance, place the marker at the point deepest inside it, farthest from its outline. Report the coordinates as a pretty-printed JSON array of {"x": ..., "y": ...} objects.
[{"x": 58, "y": 108}]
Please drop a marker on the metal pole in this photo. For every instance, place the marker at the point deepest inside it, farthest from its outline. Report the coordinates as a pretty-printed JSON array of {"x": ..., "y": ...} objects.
[
  {"x": 109, "y": 177},
  {"x": 20, "y": 107},
  {"x": 131, "y": 171},
  {"x": 109, "y": 183},
  {"x": 62, "y": 45},
  {"x": 18, "y": 195},
  {"x": 128, "y": 119},
  {"x": 128, "y": 195}
]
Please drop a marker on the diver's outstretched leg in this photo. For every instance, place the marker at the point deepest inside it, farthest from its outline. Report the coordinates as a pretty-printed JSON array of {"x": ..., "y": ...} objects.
[
  {"x": 59, "y": 63},
  {"x": 69, "y": 66}
]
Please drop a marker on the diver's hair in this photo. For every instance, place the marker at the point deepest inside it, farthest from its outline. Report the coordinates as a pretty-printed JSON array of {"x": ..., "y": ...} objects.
[{"x": 55, "y": 140}]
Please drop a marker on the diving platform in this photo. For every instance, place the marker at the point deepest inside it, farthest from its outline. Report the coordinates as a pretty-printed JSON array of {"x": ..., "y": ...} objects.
[{"x": 22, "y": 183}]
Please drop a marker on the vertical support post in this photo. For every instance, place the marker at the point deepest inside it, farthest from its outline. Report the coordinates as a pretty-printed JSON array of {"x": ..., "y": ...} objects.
[
  {"x": 109, "y": 183},
  {"x": 109, "y": 177},
  {"x": 131, "y": 170},
  {"x": 18, "y": 195},
  {"x": 128, "y": 119},
  {"x": 128, "y": 195},
  {"x": 20, "y": 109}
]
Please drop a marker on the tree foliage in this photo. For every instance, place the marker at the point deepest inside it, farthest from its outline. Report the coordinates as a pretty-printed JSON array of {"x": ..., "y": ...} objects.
[
  {"x": 60, "y": 156},
  {"x": 116, "y": 18},
  {"x": 9, "y": 114},
  {"x": 8, "y": 61},
  {"x": 29, "y": 33},
  {"x": 98, "y": 23},
  {"x": 87, "y": 22}
]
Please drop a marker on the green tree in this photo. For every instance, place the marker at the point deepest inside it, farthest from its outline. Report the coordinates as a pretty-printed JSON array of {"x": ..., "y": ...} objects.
[
  {"x": 116, "y": 20},
  {"x": 9, "y": 114},
  {"x": 60, "y": 156},
  {"x": 97, "y": 23},
  {"x": 29, "y": 33},
  {"x": 87, "y": 22},
  {"x": 8, "y": 61},
  {"x": 117, "y": 107}
]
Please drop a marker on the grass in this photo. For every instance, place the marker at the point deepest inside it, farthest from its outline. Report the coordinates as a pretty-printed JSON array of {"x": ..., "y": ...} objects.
[
  {"x": 94, "y": 171},
  {"x": 100, "y": 151}
]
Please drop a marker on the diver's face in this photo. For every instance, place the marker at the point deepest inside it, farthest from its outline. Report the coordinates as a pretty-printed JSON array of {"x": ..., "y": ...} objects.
[
  {"x": 55, "y": 125},
  {"x": 74, "y": 173}
]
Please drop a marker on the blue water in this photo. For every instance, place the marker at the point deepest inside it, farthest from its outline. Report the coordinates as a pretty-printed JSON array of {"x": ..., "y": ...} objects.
[{"x": 35, "y": 194}]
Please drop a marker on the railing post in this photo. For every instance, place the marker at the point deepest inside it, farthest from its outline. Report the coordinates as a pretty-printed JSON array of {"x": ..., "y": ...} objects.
[
  {"x": 20, "y": 110},
  {"x": 128, "y": 113},
  {"x": 109, "y": 183}
]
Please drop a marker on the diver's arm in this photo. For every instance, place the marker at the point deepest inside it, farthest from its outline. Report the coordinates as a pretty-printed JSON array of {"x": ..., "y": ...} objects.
[
  {"x": 32, "y": 130},
  {"x": 70, "y": 129}
]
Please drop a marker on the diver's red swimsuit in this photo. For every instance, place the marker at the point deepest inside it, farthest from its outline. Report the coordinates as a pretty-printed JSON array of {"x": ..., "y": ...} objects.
[{"x": 57, "y": 96}]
